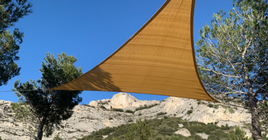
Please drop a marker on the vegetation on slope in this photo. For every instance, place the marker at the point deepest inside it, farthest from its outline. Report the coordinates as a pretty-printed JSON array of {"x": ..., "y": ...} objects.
[{"x": 164, "y": 129}]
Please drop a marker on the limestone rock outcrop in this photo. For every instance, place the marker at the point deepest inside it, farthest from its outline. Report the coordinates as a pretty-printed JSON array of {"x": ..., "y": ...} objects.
[
  {"x": 184, "y": 132},
  {"x": 123, "y": 101},
  {"x": 100, "y": 114}
]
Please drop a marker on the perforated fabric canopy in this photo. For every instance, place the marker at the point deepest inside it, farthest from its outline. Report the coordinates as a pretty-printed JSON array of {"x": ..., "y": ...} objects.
[{"x": 158, "y": 59}]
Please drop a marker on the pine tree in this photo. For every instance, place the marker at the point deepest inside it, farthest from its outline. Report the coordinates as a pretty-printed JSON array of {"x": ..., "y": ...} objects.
[
  {"x": 10, "y": 12},
  {"x": 232, "y": 57},
  {"x": 49, "y": 108}
]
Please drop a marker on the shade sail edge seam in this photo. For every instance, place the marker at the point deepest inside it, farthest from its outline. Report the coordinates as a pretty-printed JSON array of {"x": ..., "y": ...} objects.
[{"x": 193, "y": 50}]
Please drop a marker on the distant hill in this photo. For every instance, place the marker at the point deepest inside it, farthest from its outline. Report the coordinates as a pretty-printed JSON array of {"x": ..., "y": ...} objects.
[{"x": 125, "y": 109}]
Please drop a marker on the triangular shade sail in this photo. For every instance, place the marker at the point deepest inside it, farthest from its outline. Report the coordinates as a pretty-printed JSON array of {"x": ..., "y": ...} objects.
[{"x": 157, "y": 59}]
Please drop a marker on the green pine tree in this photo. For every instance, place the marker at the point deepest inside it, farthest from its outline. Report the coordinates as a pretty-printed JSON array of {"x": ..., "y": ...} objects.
[
  {"x": 232, "y": 57},
  {"x": 49, "y": 108},
  {"x": 10, "y": 12}
]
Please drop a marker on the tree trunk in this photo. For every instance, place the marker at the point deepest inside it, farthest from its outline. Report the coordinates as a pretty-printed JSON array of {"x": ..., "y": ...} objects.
[
  {"x": 255, "y": 119},
  {"x": 40, "y": 131}
]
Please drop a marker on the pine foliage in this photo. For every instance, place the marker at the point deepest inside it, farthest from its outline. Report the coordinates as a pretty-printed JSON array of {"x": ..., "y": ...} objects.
[
  {"x": 10, "y": 12},
  {"x": 49, "y": 108}
]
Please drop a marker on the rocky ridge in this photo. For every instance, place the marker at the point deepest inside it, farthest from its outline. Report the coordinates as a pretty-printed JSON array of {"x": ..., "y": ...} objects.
[{"x": 124, "y": 108}]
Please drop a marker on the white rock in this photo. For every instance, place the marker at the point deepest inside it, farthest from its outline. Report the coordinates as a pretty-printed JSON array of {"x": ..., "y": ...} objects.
[
  {"x": 203, "y": 135},
  {"x": 184, "y": 132},
  {"x": 180, "y": 125},
  {"x": 122, "y": 100},
  {"x": 104, "y": 136},
  {"x": 93, "y": 103}
]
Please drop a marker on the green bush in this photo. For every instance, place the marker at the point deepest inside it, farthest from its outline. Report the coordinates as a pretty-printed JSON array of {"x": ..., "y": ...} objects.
[
  {"x": 226, "y": 127},
  {"x": 161, "y": 113},
  {"x": 210, "y": 105},
  {"x": 197, "y": 127},
  {"x": 231, "y": 110},
  {"x": 118, "y": 109},
  {"x": 85, "y": 104},
  {"x": 145, "y": 107},
  {"x": 140, "y": 131},
  {"x": 218, "y": 135},
  {"x": 57, "y": 137},
  {"x": 237, "y": 134},
  {"x": 103, "y": 107},
  {"x": 129, "y": 111},
  {"x": 110, "y": 118},
  {"x": 189, "y": 112},
  {"x": 166, "y": 131}
]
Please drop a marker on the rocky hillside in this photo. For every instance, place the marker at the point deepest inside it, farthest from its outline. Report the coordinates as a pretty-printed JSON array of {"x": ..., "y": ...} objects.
[{"x": 123, "y": 109}]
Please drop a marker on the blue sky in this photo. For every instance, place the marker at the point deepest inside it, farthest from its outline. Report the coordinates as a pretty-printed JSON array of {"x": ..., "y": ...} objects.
[{"x": 90, "y": 30}]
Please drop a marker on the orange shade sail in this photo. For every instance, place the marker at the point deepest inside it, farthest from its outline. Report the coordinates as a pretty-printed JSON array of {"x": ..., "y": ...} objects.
[{"x": 158, "y": 59}]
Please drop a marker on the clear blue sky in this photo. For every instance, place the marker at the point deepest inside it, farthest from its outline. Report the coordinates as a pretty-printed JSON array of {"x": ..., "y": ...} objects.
[{"x": 90, "y": 30}]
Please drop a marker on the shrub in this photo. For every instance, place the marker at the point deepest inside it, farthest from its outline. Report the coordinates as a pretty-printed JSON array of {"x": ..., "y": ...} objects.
[
  {"x": 231, "y": 110},
  {"x": 218, "y": 135},
  {"x": 103, "y": 107},
  {"x": 189, "y": 112},
  {"x": 226, "y": 127},
  {"x": 210, "y": 105},
  {"x": 110, "y": 118},
  {"x": 145, "y": 107},
  {"x": 161, "y": 113},
  {"x": 130, "y": 120},
  {"x": 103, "y": 103},
  {"x": 118, "y": 109},
  {"x": 166, "y": 131},
  {"x": 85, "y": 104},
  {"x": 237, "y": 134},
  {"x": 139, "y": 130},
  {"x": 57, "y": 137},
  {"x": 129, "y": 111},
  {"x": 165, "y": 117}
]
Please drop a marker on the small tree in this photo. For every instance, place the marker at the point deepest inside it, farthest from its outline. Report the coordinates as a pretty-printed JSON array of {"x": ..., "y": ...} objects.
[
  {"x": 232, "y": 57},
  {"x": 10, "y": 12},
  {"x": 49, "y": 108}
]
